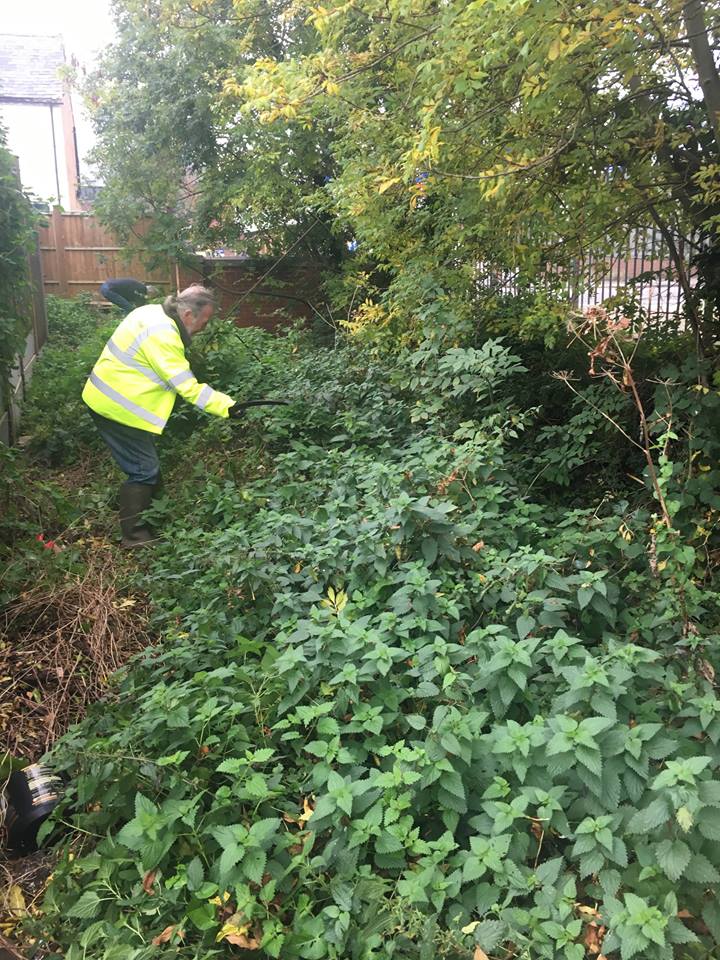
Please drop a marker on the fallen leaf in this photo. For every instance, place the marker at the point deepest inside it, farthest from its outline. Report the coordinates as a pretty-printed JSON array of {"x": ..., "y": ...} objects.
[
  {"x": 240, "y": 940},
  {"x": 707, "y": 670},
  {"x": 148, "y": 882},
  {"x": 308, "y": 810},
  {"x": 16, "y": 901},
  {"x": 470, "y": 926},
  {"x": 480, "y": 954},
  {"x": 235, "y": 932},
  {"x": 594, "y": 936},
  {"x": 125, "y": 603},
  {"x": 477, "y": 547},
  {"x": 587, "y": 911},
  {"x": 167, "y": 934}
]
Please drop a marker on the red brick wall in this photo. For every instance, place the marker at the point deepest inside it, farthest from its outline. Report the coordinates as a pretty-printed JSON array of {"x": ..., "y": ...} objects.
[{"x": 278, "y": 297}]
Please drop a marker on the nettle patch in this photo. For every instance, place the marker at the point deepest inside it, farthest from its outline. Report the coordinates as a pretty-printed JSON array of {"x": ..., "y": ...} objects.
[{"x": 402, "y": 711}]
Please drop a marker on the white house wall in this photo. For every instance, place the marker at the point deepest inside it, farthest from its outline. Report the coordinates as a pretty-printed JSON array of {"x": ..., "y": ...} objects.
[{"x": 30, "y": 137}]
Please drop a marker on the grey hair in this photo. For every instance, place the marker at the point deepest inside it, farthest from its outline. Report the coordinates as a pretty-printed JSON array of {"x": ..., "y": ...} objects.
[{"x": 193, "y": 298}]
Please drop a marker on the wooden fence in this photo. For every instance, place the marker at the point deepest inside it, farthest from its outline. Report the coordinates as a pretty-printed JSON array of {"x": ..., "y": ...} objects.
[{"x": 78, "y": 253}]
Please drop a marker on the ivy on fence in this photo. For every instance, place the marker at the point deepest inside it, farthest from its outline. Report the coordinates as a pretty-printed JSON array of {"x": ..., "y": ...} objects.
[{"x": 17, "y": 226}]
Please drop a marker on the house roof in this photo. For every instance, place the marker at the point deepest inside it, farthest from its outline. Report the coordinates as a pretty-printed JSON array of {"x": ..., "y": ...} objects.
[{"x": 29, "y": 68}]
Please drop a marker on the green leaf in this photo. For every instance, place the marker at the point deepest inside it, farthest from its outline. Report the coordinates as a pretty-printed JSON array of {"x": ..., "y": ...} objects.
[
  {"x": 388, "y": 843},
  {"x": 253, "y": 864},
  {"x": 700, "y": 870},
  {"x": 195, "y": 874},
  {"x": 709, "y": 792},
  {"x": 429, "y": 550},
  {"x": 416, "y": 721},
  {"x": 489, "y": 934},
  {"x": 524, "y": 625},
  {"x": 231, "y": 856},
  {"x": 650, "y": 817},
  {"x": 452, "y": 783},
  {"x": 610, "y": 882},
  {"x": 262, "y": 830},
  {"x": 548, "y": 872},
  {"x": 173, "y": 759},
  {"x": 632, "y": 941},
  {"x": 711, "y": 917},
  {"x": 203, "y": 916},
  {"x": 673, "y": 856},
  {"x": 86, "y": 907},
  {"x": 708, "y": 823},
  {"x": 584, "y": 596}
]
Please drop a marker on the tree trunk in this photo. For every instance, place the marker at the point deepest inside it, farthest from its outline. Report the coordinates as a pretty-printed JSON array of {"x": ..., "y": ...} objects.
[{"x": 694, "y": 14}]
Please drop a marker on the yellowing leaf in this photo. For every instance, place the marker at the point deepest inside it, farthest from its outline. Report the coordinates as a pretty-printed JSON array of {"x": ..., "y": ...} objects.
[
  {"x": 470, "y": 927},
  {"x": 385, "y": 185},
  {"x": 556, "y": 48},
  {"x": 308, "y": 811},
  {"x": 233, "y": 928},
  {"x": 16, "y": 901},
  {"x": 167, "y": 935},
  {"x": 684, "y": 818},
  {"x": 218, "y": 902}
]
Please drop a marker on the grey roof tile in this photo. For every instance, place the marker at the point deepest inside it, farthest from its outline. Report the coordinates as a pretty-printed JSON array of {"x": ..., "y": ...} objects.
[{"x": 29, "y": 68}]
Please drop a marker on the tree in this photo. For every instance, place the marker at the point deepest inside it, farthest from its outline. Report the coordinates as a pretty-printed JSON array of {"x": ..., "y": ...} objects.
[
  {"x": 439, "y": 135},
  {"x": 545, "y": 129},
  {"x": 173, "y": 147}
]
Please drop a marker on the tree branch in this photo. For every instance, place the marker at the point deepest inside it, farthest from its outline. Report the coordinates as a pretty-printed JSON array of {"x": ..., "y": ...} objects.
[{"x": 694, "y": 13}]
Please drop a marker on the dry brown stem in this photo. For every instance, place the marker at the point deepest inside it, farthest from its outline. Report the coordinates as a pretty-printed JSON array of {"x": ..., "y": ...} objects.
[{"x": 58, "y": 648}]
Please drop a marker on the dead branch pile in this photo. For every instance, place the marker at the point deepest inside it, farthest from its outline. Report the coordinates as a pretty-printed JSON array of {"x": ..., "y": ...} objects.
[{"x": 58, "y": 647}]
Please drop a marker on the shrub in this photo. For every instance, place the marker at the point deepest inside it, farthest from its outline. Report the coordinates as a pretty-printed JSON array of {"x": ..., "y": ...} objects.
[
  {"x": 54, "y": 414},
  {"x": 402, "y": 710}
]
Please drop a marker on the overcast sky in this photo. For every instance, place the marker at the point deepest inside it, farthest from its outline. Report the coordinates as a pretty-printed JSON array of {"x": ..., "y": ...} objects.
[{"x": 86, "y": 26}]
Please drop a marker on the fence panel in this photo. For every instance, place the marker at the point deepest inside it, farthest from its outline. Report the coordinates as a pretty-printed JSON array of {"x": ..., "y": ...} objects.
[
  {"x": 642, "y": 271},
  {"x": 78, "y": 253}
]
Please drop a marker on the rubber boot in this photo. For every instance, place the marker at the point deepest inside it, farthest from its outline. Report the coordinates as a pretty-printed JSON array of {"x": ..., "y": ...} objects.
[{"x": 134, "y": 499}]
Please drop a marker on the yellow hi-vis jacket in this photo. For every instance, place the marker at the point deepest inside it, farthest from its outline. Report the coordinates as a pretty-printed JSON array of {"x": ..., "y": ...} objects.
[{"x": 141, "y": 369}]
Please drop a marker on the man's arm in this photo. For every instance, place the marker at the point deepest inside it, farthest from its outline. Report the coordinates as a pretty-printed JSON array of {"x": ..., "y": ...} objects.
[{"x": 168, "y": 360}]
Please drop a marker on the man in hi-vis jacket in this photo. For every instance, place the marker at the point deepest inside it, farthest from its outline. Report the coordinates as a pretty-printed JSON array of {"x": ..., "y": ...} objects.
[{"x": 131, "y": 393}]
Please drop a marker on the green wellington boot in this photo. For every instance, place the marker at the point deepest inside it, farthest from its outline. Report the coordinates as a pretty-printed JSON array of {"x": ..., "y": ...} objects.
[{"x": 134, "y": 499}]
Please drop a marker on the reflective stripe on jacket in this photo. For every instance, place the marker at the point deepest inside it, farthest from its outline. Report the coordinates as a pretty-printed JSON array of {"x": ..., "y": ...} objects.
[{"x": 142, "y": 368}]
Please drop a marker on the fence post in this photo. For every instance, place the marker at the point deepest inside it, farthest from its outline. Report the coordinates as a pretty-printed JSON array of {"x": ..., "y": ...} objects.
[
  {"x": 37, "y": 294},
  {"x": 59, "y": 233}
]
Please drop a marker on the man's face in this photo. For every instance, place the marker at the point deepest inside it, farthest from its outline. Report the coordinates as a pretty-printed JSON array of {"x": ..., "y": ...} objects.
[{"x": 196, "y": 324}]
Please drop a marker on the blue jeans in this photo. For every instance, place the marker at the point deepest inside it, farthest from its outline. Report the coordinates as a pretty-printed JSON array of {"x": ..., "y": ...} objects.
[{"x": 132, "y": 450}]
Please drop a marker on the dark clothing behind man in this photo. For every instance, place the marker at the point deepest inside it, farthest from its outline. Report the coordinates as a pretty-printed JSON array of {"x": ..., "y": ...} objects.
[{"x": 125, "y": 293}]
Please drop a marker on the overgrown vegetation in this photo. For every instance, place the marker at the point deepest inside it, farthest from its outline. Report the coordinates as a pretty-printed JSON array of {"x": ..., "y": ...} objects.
[
  {"x": 411, "y": 698},
  {"x": 437, "y": 643},
  {"x": 17, "y": 223}
]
